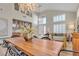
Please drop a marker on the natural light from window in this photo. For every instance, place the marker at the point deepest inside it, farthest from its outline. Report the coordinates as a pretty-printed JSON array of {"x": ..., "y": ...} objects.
[
  {"x": 59, "y": 18},
  {"x": 59, "y": 24},
  {"x": 42, "y": 25}
]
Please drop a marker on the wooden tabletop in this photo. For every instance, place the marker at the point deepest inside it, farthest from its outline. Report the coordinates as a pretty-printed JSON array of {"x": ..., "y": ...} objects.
[{"x": 37, "y": 47}]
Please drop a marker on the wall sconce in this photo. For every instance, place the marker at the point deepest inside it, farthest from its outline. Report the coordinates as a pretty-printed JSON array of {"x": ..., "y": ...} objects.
[{"x": 71, "y": 26}]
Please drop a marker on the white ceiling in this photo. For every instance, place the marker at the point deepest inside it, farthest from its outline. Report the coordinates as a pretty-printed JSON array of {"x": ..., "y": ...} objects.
[{"x": 58, "y": 6}]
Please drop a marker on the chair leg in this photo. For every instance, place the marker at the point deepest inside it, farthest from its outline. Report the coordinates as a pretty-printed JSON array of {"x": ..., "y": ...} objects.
[
  {"x": 59, "y": 53},
  {"x": 7, "y": 52}
]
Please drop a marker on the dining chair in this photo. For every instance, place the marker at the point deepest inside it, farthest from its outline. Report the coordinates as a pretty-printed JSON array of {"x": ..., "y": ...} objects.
[
  {"x": 35, "y": 36},
  {"x": 47, "y": 38},
  {"x": 72, "y": 51},
  {"x": 12, "y": 50}
]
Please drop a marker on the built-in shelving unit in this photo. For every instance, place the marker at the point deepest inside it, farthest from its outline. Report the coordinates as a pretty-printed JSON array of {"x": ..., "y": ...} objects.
[{"x": 18, "y": 23}]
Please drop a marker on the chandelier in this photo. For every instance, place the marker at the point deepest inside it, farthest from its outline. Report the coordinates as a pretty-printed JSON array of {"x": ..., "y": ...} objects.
[{"x": 27, "y": 7}]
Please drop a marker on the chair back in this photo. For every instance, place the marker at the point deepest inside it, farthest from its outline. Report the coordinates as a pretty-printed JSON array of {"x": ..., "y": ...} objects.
[
  {"x": 13, "y": 51},
  {"x": 75, "y": 42}
]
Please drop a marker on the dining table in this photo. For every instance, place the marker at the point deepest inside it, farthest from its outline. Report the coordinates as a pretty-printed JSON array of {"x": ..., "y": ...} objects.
[{"x": 37, "y": 46}]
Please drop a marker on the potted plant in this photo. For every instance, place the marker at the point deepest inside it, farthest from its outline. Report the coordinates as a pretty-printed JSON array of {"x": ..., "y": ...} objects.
[{"x": 26, "y": 32}]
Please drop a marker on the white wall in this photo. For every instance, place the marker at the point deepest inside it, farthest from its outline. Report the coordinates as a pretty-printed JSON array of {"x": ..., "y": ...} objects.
[{"x": 70, "y": 18}]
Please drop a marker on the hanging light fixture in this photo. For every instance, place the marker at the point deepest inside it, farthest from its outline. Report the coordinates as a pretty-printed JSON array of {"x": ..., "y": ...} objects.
[{"x": 28, "y": 7}]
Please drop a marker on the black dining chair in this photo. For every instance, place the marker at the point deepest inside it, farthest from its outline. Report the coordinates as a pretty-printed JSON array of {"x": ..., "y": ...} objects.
[
  {"x": 72, "y": 51},
  {"x": 12, "y": 50},
  {"x": 47, "y": 38}
]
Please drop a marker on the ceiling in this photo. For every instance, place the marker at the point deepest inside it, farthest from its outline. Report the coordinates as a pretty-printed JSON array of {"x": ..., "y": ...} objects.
[{"x": 58, "y": 6}]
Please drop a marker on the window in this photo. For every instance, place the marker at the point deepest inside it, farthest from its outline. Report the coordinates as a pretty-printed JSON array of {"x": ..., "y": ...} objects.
[
  {"x": 59, "y": 24},
  {"x": 42, "y": 29},
  {"x": 42, "y": 20},
  {"x": 59, "y": 18},
  {"x": 59, "y": 28},
  {"x": 42, "y": 25}
]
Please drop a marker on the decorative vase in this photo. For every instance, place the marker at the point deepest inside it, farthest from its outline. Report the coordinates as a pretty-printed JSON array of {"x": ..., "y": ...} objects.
[{"x": 27, "y": 37}]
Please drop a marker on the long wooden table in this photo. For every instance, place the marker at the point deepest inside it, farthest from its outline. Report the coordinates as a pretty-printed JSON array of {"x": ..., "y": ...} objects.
[{"x": 37, "y": 47}]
